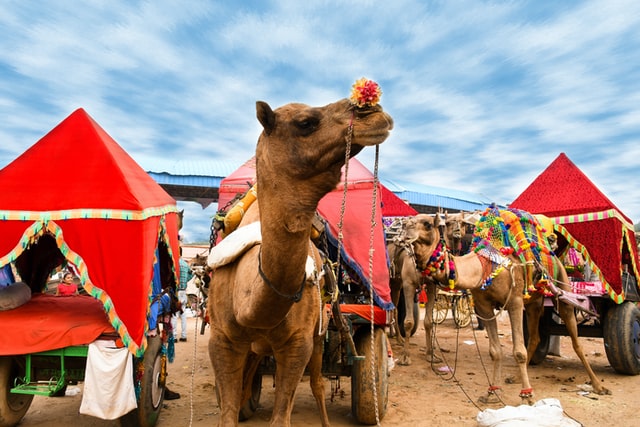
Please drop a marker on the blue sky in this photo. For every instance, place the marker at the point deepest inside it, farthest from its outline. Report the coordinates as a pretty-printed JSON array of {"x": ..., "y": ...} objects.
[{"x": 485, "y": 94}]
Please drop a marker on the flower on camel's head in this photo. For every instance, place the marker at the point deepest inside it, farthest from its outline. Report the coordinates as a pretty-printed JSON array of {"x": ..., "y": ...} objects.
[{"x": 365, "y": 92}]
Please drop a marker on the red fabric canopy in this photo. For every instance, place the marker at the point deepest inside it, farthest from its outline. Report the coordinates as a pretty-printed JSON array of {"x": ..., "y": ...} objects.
[
  {"x": 563, "y": 193},
  {"x": 356, "y": 222},
  {"x": 106, "y": 213}
]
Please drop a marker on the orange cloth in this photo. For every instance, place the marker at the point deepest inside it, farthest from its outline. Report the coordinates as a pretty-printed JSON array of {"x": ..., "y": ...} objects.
[{"x": 48, "y": 322}]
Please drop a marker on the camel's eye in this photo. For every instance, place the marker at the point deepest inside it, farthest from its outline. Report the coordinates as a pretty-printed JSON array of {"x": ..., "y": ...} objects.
[
  {"x": 307, "y": 124},
  {"x": 427, "y": 225}
]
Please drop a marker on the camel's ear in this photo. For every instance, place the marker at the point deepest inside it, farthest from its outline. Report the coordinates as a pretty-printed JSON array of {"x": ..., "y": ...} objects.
[{"x": 266, "y": 116}]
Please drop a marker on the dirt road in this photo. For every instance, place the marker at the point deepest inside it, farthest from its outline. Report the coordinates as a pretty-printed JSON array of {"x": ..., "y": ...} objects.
[{"x": 417, "y": 395}]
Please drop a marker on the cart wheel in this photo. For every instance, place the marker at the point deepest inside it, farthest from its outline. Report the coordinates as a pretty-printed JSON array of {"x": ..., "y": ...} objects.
[
  {"x": 152, "y": 386},
  {"x": 12, "y": 406},
  {"x": 363, "y": 400},
  {"x": 440, "y": 308},
  {"x": 622, "y": 338},
  {"x": 250, "y": 406},
  {"x": 402, "y": 314},
  {"x": 461, "y": 310}
]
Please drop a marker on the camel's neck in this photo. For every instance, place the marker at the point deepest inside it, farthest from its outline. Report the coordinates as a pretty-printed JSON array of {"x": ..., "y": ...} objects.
[
  {"x": 466, "y": 270},
  {"x": 286, "y": 214}
]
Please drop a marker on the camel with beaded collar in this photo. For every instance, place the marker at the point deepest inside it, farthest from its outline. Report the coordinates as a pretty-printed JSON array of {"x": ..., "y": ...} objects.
[{"x": 509, "y": 289}]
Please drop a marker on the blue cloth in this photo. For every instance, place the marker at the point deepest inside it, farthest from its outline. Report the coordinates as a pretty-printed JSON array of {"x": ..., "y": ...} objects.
[{"x": 6, "y": 275}]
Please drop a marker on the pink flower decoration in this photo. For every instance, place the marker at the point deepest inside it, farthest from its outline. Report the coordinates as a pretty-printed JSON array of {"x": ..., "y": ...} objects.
[{"x": 365, "y": 92}]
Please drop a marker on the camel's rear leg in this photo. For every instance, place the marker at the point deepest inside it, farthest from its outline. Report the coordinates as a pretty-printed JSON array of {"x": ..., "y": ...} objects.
[
  {"x": 568, "y": 316},
  {"x": 533, "y": 310}
]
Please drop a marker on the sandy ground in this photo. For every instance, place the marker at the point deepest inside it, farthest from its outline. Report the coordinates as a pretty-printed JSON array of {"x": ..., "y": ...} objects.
[{"x": 418, "y": 396}]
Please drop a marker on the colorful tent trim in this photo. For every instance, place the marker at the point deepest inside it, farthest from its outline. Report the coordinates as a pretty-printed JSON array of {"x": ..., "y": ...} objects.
[
  {"x": 127, "y": 215},
  {"x": 36, "y": 230},
  {"x": 592, "y": 216}
]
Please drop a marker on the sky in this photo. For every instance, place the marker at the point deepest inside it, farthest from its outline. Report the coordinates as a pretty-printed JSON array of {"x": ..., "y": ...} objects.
[{"x": 484, "y": 94}]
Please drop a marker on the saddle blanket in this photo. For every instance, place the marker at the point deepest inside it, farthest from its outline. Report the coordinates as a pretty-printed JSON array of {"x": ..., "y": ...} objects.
[{"x": 240, "y": 241}]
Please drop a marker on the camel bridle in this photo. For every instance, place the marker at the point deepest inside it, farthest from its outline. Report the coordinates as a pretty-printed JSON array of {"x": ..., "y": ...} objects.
[{"x": 295, "y": 297}]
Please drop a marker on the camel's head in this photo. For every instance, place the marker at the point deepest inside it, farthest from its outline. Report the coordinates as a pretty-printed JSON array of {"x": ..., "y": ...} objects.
[
  {"x": 455, "y": 228},
  {"x": 423, "y": 228},
  {"x": 304, "y": 142}
]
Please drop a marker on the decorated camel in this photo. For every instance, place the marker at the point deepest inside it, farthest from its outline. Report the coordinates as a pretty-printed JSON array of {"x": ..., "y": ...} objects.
[
  {"x": 504, "y": 276},
  {"x": 405, "y": 278},
  {"x": 266, "y": 301}
]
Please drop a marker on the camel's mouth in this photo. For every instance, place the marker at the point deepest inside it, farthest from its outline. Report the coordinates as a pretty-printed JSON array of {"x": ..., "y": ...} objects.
[{"x": 371, "y": 126}]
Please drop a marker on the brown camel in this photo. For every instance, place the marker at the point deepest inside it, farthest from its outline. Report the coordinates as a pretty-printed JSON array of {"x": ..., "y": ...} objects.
[
  {"x": 506, "y": 291},
  {"x": 262, "y": 303},
  {"x": 405, "y": 278}
]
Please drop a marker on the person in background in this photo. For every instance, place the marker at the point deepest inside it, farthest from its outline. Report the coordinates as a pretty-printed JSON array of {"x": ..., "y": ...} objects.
[
  {"x": 185, "y": 275},
  {"x": 67, "y": 287}
]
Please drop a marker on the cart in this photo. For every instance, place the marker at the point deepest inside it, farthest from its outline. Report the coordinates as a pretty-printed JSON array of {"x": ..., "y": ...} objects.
[
  {"x": 583, "y": 219},
  {"x": 460, "y": 303},
  {"x": 117, "y": 230}
]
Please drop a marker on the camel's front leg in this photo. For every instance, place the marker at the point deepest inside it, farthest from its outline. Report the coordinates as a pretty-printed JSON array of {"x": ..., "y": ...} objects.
[
  {"x": 431, "y": 291},
  {"x": 228, "y": 360},
  {"x": 519, "y": 349},
  {"x": 291, "y": 361},
  {"x": 316, "y": 380},
  {"x": 409, "y": 292}
]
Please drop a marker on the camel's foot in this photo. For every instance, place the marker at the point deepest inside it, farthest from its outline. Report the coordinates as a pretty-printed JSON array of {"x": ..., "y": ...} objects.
[
  {"x": 491, "y": 397},
  {"x": 432, "y": 358},
  {"x": 602, "y": 391},
  {"x": 405, "y": 360},
  {"x": 527, "y": 396}
]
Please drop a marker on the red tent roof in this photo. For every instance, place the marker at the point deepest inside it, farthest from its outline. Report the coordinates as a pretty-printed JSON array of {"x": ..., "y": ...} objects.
[
  {"x": 105, "y": 211},
  {"x": 563, "y": 189},
  {"x": 565, "y": 194},
  {"x": 80, "y": 166},
  {"x": 356, "y": 222}
]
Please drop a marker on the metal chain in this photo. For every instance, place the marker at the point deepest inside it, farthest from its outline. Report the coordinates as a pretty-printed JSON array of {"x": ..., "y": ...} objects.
[
  {"x": 343, "y": 206},
  {"x": 374, "y": 203}
]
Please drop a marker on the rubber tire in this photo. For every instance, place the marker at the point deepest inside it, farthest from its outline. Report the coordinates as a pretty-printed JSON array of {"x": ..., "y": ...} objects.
[
  {"x": 151, "y": 388},
  {"x": 402, "y": 313},
  {"x": 622, "y": 338},
  {"x": 363, "y": 398},
  {"x": 13, "y": 406},
  {"x": 440, "y": 308},
  {"x": 250, "y": 406},
  {"x": 545, "y": 338},
  {"x": 461, "y": 310}
]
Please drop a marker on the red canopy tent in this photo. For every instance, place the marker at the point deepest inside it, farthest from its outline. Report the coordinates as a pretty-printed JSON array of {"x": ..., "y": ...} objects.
[
  {"x": 107, "y": 215},
  {"x": 356, "y": 221},
  {"x": 587, "y": 219}
]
